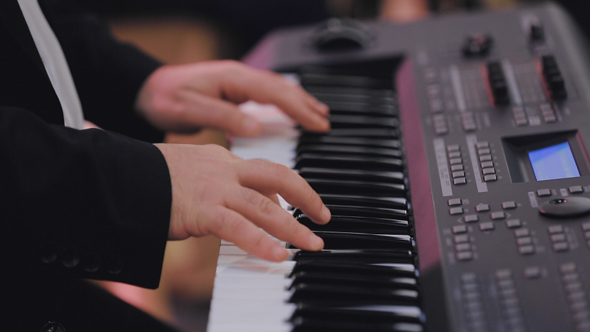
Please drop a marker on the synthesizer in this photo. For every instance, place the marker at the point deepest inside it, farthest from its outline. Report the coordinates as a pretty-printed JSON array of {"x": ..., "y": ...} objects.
[{"x": 457, "y": 171}]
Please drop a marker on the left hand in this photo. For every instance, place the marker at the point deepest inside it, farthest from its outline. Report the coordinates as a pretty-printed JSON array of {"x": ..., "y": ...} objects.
[{"x": 184, "y": 98}]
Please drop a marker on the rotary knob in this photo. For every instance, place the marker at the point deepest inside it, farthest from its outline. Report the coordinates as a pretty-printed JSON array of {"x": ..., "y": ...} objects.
[{"x": 478, "y": 45}]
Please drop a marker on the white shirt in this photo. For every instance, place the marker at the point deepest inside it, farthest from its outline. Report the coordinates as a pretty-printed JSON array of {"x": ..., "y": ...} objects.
[{"x": 55, "y": 63}]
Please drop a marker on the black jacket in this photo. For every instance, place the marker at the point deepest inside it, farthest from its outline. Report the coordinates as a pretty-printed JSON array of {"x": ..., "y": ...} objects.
[{"x": 75, "y": 204}]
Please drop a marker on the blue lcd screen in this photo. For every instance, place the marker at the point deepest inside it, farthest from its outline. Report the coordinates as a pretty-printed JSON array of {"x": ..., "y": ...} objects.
[{"x": 554, "y": 162}]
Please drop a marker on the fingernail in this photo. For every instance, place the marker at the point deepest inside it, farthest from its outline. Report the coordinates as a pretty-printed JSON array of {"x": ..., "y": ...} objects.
[
  {"x": 326, "y": 214},
  {"x": 250, "y": 125}
]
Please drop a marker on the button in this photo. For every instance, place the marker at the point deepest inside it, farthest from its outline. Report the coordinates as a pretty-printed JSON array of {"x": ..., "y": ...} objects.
[
  {"x": 576, "y": 189},
  {"x": 550, "y": 118},
  {"x": 458, "y": 167},
  {"x": 471, "y": 218},
  {"x": 485, "y": 157},
  {"x": 522, "y": 232},
  {"x": 509, "y": 205},
  {"x": 568, "y": 268},
  {"x": 464, "y": 256},
  {"x": 53, "y": 327},
  {"x": 459, "y": 181},
  {"x": 484, "y": 151},
  {"x": 442, "y": 130},
  {"x": 489, "y": 170},
  {"x": 453, "y": 148},
  {"x": 555, "y": 229},
  {"x": 458, "y": 174},
  {"x": 513, "y": 223},
  {"x": 115, "y": 265},
  {"x": 503, "y": 274},
  {"x": 570, "y": 277},
  {"x": 575, "y": 287},
  {"x": 49, "y": 253},
  {"x": 487, "y": 164},
  {"x": 565, "y": 207},
  {"x": 454, "y": 201},
  {"x": 498, "y": 215},
  {"x": 482, "y": 144},
  {"x": 461, "y": 238},
  {"x": 91, "y": 262},
  {"x": 561, "y": 246},
  {"x": 456, "y": 154},
  {"x": 70, "y": 257},
  {"x": 487, "y": 226},
  {"x": 490, "y": 177},
  {"x": 463, "y": 247},
  {"x": 455, "y": 211},
  {"x": 469, "y": 278},
  {"x": 533, "y": 272},
  {"x": 481, "y": 207},
  {"x": 459, "y": 229},
  {"x": 524, "y": 241},
  {"x": 526, "y": 250},
  {"x": 544, "y": 192},
  {"x": 455, "y": 161},
  {"x": 558, "y": 237}
]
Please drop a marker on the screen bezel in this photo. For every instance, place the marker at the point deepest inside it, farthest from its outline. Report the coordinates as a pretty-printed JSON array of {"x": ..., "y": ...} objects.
[{"x": 516, "y": 152}]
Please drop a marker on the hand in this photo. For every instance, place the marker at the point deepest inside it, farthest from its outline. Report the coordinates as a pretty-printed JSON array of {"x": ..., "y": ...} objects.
[
  {"x": 216, "y": 192},
  {"x": 184, "y": 98}
]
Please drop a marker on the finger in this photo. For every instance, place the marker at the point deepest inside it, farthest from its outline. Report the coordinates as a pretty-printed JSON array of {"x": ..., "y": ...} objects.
[
  {"x": 265, "y": 176},
  {"x": 269, "y": 88},
  {"x": 233, "y": 227},
  {"x": 202, "y": 110},
  {"x": 273, "y": 219},
  {"x": 318, "y": 106}
]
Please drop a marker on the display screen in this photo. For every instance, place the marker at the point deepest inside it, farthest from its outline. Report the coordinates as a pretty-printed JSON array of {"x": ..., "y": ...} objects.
[{"x": 554, "y": 162}]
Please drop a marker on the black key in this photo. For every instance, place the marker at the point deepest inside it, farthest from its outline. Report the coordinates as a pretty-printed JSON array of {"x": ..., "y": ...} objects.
[
  {"x": 380, "y": 133},
  {"x": 311, "y": 293},
  {"x": 352, "y": 174},
  {"x": 352, "y": 280},
  {"x": 357, "y": 187},
  {"x": 363, "y": 211},
  {"x": 353, "y": 200},
  {"x": 349, "y": 162},
  {"x": 386, "y": 313},
  {"x": 366, "y": 256},
  {"x": 355, "y": 268},
  {"x": 357, "y": 121},
  {"x": 318, "y": 325},
  {"x": 347, "y": 141},
  {"x": 349, "y": 150},
  {"x": 344, "y": 91},
  {"x": 341, "y": 108},
  {"x": 354, "y": 240},
  {"x": 352, "y": 81},
  {"x": 360, "y": 225},
  {"x": 363, "y": 98}
]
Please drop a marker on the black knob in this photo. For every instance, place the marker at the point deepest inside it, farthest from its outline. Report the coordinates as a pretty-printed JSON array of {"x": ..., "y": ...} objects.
[
  {"x": 477, "y": 45},
  {"x": 537, "y": 33}
]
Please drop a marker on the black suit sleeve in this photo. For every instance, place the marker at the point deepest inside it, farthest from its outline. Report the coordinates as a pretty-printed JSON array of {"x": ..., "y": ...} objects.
[
  {"x": 81, "y": 204},
  {"x": 108, "y": 73}
]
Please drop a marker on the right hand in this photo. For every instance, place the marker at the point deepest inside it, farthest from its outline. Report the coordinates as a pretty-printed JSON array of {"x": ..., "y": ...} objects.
[{"x": 217, "y": 192}]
